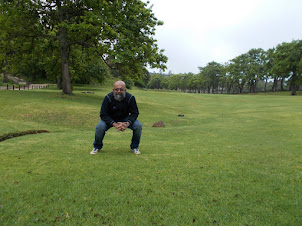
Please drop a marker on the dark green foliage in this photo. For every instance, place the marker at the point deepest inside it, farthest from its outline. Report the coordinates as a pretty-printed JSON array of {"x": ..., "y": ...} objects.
[
  {"x": 129, "y": 83},
  {"x": 288, "y": 63},
  {"x": 87, "y": 67},
  {"x": 154, "y": 82},
  {"x": 139, "y": 83},
  {"x": 157, "y": 82},
  {"x": 117, "y": 33}
]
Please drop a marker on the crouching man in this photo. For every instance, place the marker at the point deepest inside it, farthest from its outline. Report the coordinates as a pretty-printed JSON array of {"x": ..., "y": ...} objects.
[{"x": 119, "y": 110}]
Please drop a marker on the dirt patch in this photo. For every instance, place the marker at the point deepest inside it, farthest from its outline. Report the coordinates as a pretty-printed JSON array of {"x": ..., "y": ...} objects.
[
  {"x": 7, "y": 136},
  {"x": 159, "y": 124}
]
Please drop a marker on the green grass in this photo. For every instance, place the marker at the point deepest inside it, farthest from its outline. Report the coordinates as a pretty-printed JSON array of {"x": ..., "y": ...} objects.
[{"x": 231, "y": 160}]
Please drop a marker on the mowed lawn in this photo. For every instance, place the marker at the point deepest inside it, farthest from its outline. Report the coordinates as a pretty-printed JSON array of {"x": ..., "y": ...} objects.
[{"x": 231, "y": 160}]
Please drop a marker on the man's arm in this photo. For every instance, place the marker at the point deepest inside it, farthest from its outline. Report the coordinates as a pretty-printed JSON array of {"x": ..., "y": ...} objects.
[
  {"x": 133, "y": 110},
  {"x": 104, "y": 113}
]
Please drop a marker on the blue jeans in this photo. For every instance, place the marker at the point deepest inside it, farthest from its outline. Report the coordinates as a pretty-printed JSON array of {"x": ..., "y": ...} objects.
[{"x": 102, "y": 127}]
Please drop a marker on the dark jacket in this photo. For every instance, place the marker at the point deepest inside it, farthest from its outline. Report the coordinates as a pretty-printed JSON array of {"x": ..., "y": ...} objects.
[{"x": 115, "y": 111}]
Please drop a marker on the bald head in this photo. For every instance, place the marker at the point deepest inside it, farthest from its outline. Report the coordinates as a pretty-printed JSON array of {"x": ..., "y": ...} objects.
[
  {"x": 119, "y": 90},
  {"x": 119, "y": 83}
]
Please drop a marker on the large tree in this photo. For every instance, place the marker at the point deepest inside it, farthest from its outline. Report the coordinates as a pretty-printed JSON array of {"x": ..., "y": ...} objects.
[
  {"x": 254, "y": 68},
  {"x": 119, "y": 31},
  {"x": 268, "y": 65},
  {"x": 213, "y": 71},
  {"x": 288, "y": 63}
]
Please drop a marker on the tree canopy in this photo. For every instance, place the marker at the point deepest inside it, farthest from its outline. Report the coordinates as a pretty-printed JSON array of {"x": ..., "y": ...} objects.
[
  {"x": 119, "y": 34},
  {"x": 80, "y": 41}
]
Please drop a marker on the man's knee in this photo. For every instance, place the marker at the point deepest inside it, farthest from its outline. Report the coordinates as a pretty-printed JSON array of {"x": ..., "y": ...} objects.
[
  {"x": 101, "y": 126},
  {"x": 137, "y": 125}
]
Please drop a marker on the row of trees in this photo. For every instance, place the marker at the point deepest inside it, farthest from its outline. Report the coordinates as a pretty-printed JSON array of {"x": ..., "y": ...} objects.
[
  {"x": 246, "y": 73},
  {"x": 78, "y": 40}
]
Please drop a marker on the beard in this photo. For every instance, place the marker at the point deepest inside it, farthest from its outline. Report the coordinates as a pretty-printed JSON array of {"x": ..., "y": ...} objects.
[{"x": 119, "y": 96}]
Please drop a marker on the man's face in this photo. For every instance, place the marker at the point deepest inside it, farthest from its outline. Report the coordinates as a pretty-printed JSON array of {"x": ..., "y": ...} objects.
[{"x": 119, "y": 91}]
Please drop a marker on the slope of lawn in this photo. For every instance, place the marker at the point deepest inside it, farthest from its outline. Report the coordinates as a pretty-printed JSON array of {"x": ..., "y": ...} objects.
[{"x": 231, "y": 160}]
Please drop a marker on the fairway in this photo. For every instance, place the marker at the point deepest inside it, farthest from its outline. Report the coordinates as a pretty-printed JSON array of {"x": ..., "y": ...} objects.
[{"x": 231, "y": 160}]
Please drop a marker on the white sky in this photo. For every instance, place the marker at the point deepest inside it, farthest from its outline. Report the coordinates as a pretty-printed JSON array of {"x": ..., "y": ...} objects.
[{"x": 196, "y": 32}]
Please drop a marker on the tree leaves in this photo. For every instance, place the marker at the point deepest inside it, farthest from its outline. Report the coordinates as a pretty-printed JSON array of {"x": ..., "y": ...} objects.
[
  {"x": 119, "y": 31},
  {"x": 287, "y": 63}
]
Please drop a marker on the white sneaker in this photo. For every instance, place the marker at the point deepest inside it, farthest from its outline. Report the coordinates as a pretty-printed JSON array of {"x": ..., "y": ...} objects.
[
  {"x": 94, "y": 151},
  {"x": 135, "y": 151}
]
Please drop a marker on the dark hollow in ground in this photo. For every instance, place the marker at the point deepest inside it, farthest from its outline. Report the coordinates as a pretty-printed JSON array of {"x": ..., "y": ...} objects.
[{"x": 7, "y": 136}]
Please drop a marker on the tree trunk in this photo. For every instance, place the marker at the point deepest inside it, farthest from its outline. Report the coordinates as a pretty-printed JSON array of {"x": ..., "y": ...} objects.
[
  {"x": 255, "y": 86},
  {"x": 59, "y": 82},
  {"x": 229, "y": 87},
  {"x": 281, "y": 85},
  {"x": 275, "y": 83},
  {"x": 265, "y": 85},
  {"x": 293, "y": 84},
  {"x": 5, "y": 78},
  {"x": 294, "y": 90},
  {"x": 66, "y": 82}
]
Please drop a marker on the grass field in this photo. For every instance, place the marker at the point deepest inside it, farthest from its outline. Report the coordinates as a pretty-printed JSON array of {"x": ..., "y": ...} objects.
[{"x": 231, "y": 160}]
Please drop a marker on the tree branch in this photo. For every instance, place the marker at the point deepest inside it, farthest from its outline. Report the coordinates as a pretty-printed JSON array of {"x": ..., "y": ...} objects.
[{"x": 82, "y": 43}]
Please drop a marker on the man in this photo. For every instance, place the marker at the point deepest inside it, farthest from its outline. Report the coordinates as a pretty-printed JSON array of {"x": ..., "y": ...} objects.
[{"x": 119, "y": 110}]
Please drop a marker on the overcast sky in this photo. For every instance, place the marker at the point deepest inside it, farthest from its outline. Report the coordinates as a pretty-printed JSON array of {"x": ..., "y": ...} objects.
[{"x": 196, "y": 32}]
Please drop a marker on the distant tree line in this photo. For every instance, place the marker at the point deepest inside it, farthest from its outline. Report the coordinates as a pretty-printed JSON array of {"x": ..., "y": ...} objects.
[
  {"x": 257, "y": 70},
  {"x": 70, "y": 42}
]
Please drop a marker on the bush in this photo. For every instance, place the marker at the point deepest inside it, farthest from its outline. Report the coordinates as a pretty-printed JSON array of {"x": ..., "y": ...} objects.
[
  {"x": 129, "y": 83},
  {"x": 139, "y": 83}
]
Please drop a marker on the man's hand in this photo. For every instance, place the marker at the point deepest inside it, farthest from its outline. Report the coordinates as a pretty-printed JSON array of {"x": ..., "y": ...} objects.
[
  {"x": 121, "y": 126},
  {"x": 117, "y": 125}
]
